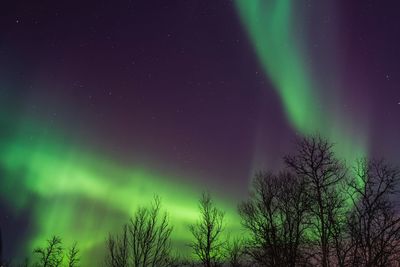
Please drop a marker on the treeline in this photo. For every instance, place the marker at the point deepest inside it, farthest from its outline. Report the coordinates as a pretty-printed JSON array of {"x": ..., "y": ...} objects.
[{"x": 317, "y": 211}]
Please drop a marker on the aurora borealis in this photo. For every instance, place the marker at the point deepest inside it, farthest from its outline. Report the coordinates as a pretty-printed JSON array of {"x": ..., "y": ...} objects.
[
  {"x": 272, "y": 29},
  {"x": 105, "y": 104}
]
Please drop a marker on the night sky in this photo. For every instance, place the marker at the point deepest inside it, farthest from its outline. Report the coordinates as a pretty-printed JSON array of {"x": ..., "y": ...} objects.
[{"x": 106, "y": 103}]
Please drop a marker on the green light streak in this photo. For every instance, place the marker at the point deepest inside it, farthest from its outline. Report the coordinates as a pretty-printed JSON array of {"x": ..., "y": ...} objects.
[
  {"x": 82, "y": 197},
  {"x": 270, "y": 26}
]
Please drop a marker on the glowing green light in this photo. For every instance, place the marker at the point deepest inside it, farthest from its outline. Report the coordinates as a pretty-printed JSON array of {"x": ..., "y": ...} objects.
[
  {"x": 83, "y": 197},
  {"x": 270, "y": 26}
]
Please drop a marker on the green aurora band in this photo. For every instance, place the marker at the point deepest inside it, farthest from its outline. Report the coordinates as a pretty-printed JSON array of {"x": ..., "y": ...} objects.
[
  {"x": 82, "y": 197},
  {"x": 271, "y": 28}
]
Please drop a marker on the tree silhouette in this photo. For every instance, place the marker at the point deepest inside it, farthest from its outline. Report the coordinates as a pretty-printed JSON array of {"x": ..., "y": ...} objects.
[
  {"x": 207, "y": 244},
  {"x": 235, "y": 252},
  {"x": 374, "y": 224},
  {"x": 73, "y": 256},
  {"x": 52, "y": 254},
  {"x": 145, "y": 241},
  {"x": 313, "y": 213},
  {"x": 275, "y": 216},
  {"x": 118, "y": 247},
  {"x": 324, "y": 174}
]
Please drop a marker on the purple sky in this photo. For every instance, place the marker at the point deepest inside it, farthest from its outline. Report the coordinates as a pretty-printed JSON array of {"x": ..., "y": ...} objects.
[{"x": 177, "y": 86}]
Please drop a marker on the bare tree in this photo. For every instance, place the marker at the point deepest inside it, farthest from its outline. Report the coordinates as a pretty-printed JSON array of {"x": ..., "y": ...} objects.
[
  {"x": 315, "y": 162},
  {"x": 145, "y": 241},
  {"x": 276, "y": 217},
  {"x": 374, "y": 225},
  {"x": 235, "y": 252},
  {"x": 118, "y": 249},
  {"x": 73, "y": 256},
  {"x": 52, "y": 255},
  {"x": 338, "y": 229},
  {"x": 150, "y": 237},
  {"x": 207, "y": 244}
]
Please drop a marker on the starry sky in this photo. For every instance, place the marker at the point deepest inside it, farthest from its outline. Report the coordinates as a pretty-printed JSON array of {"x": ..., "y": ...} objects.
[{"x": 106, "y": 103}]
